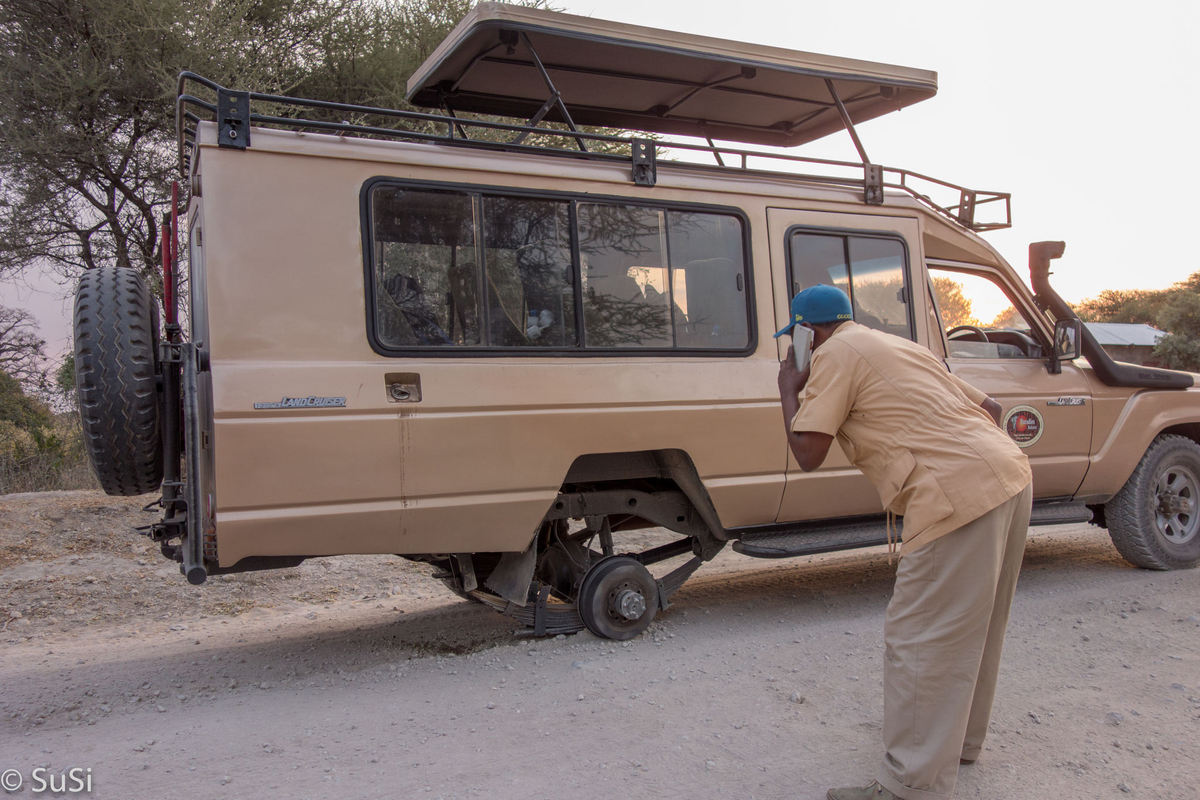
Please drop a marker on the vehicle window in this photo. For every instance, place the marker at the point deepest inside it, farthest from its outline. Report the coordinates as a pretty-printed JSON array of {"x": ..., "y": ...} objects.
[
  {"x": 473, "y": 269},
  {"x": 979, "y": 318},
  {"x": 426, "y": 269},
  {"x": 819, "y": 259},
  {"x": 527, "y": 258},
  {"x": 707, "y": 280},
  {"x": 623, "y": 258},
  {"x": 870, "y": 269}
]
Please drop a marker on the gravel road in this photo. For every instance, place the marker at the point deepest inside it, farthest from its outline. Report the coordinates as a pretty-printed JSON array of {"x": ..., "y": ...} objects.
[{"x": 362, "y": 677}]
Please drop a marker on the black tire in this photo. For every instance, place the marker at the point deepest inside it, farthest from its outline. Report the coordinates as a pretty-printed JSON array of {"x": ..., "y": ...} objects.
[
  {"x": 1154, "y": 520},
  {"x": 601, "y": 591},
  {"x": 116, "y": 371}
]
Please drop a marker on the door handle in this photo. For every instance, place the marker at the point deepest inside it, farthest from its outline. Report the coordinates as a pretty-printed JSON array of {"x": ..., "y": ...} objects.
[{"x": 402, "y": 387}]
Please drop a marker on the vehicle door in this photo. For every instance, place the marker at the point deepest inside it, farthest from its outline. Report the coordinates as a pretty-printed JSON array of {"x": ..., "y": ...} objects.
[
  {"x": 997, "y": 340},
  {"x": 869, "y": 257}
]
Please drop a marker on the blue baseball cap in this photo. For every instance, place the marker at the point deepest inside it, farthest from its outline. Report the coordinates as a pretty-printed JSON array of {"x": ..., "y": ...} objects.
[{"x": 818, "y": 304}]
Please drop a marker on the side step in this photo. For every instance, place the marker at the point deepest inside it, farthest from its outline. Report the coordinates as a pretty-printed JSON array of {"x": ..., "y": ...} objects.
[
  {"x": 790, "y": 540},
  {"x": 801, "y": 539}
]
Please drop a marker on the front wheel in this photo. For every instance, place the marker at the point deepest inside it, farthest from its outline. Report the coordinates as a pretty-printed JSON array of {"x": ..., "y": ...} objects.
[{"x": 1154, "y": 520}]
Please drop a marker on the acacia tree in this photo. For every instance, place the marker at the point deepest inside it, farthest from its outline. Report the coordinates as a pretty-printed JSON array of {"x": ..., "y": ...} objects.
[
  {"x": 87, "y": 125},
  {"x": 954, "y": 305},
  {"x": 22, "y": 351},
  {"x": 1135, "y": 306}
]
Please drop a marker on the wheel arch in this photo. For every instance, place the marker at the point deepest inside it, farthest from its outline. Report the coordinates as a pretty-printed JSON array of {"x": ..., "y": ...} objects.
[
  {"x": 1146, "y": 416},
  {"x": 629, "y": 469}
]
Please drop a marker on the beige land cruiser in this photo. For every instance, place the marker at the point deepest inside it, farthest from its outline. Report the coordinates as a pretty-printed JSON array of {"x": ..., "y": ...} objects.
[{"x": 498, "y": 346}]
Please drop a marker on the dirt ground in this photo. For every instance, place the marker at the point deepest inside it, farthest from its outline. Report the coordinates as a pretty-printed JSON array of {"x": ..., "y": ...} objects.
[{"x": 362, "y": 677}]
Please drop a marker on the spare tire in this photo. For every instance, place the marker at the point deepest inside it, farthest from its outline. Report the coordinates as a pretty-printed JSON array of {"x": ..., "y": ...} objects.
[{"x": 116, "y": 376}]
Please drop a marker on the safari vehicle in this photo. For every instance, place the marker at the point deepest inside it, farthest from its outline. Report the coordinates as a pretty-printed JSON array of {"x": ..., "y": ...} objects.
[{"x": 497, "y": 347}]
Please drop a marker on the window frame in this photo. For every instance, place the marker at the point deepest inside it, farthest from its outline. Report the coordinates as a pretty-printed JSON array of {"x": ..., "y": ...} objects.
[
  {"x": 846, "y": 233},
  {"x": 477, "y": 191}
]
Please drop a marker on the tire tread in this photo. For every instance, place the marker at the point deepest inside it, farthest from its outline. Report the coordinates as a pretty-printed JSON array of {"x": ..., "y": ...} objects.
[
  {"x": 116, "y": 378},
  {"x": 1128, "y": 514}
]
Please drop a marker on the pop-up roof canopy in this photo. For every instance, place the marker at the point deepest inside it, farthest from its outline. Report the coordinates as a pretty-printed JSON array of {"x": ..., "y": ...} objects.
[{"x": 509, "y": 61}]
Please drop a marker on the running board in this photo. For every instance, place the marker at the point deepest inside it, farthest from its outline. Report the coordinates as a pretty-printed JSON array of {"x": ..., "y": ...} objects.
[{"x": 790, "y": 540}]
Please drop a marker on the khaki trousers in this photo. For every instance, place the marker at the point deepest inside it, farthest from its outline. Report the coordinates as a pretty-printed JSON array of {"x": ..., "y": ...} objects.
[{"x": 943, "y": 634}]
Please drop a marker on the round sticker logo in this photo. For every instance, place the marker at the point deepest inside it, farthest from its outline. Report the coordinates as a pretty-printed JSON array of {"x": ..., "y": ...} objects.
[{"x": 1023, "y": 424}]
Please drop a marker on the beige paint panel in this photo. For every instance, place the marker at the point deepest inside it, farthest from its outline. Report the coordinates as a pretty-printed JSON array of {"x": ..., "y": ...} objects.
[
  {"x": 288, "y": 319},
  {"x": 454, "y": 524},
  {"x": 1142, "y": 418},
  {"x": 1059, "y": 458},
  {"x": 499, "y": 444},
  {"x": 943, "y": 240}
]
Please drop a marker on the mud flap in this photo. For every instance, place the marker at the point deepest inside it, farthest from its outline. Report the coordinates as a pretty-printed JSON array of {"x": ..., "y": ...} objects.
[{"x": 513, "y": 575}]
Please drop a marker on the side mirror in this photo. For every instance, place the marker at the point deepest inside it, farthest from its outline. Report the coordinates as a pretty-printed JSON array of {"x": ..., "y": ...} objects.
[{"x": 1068, "y": 333}]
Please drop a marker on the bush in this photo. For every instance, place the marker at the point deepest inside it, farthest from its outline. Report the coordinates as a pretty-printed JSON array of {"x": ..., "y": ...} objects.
[{"x": 39, "y": 451}]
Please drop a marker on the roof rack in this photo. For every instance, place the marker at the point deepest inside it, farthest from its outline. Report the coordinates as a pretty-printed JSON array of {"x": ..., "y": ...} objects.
[{"x": 234, "y": 116}]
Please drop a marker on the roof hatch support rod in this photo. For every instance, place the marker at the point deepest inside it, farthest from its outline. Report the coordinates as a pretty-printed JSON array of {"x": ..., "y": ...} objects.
[
  {"x": 509, "y": 38},
  {"x": 450, "y": 113},
  {"x": 749, "y": 73},
  {"x": 872, "y": 173},
  {"x": 712, "y": 146}
]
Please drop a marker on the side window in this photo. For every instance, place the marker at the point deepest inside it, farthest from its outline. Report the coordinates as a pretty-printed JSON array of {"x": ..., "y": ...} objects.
[
  {"x": 708, "y": 280},
  {"x": 527, "y": 258},
  {"x": 481, "y": 270},
  {"x": 872, "y": 270},
  {"x": 426, "y": 269},
  {"x": 662, "y": 278},
  {"x": 623, "y": 258},
  {"x": 979, "y": 317}
]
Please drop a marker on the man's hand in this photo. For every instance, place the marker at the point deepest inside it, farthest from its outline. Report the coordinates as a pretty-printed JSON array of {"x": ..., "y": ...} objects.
[
  {"x": 992, "y": 408},
  {"x": 791, "y": 380}
]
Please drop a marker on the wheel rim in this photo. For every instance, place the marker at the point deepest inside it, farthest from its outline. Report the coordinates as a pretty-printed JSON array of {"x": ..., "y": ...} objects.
[{"x": 1177, "y": 505}]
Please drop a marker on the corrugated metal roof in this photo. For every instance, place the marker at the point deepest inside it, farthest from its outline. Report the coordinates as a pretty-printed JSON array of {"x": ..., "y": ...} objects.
[{"x": 1123, "y": 333}]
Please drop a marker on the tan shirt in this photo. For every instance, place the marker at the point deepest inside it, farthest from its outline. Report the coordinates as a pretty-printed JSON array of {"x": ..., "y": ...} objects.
[{"x": 916, "y": 431}]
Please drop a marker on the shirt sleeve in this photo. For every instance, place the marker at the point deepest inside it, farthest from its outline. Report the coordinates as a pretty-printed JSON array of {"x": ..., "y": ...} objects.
[
  {"x": 829, "y": 394},
  {"x": 974, "y": 395}
]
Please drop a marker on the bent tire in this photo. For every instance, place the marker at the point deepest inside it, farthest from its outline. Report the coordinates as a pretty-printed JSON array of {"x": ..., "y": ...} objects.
[
  {"x": 1154, "y": 520},
  {"x": 115, "y": 375}
]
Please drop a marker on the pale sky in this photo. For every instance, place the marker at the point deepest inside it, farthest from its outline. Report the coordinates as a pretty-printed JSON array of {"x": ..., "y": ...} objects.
[{"x": 1082, "y": 110}]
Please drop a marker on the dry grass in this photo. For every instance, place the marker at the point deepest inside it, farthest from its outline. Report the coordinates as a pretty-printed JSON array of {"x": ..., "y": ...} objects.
[{"x": 45, "y": 460}]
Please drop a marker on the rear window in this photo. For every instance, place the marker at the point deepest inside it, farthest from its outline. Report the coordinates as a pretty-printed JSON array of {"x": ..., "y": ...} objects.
[{"x": 489, "y": 271}]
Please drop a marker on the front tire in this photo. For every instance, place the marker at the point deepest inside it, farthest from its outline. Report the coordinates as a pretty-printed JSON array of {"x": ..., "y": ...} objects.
[
  {"x": 1154, "y": 520},
  {"x": 116, "y": 374}
]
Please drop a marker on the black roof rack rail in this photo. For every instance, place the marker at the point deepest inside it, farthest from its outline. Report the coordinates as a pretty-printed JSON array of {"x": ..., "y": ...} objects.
[{"x": 234, "y": 114}]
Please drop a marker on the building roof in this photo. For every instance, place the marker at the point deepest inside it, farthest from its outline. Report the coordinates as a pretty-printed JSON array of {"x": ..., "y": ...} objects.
[
  {"x": 627, "y": 76},
  {"x": 1124, "y": 334}
]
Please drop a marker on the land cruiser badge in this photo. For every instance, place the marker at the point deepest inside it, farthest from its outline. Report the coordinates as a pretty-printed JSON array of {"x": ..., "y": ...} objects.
[
  {"x": 1023, "y": 424},
  {"x": 305, "y": 402}
]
